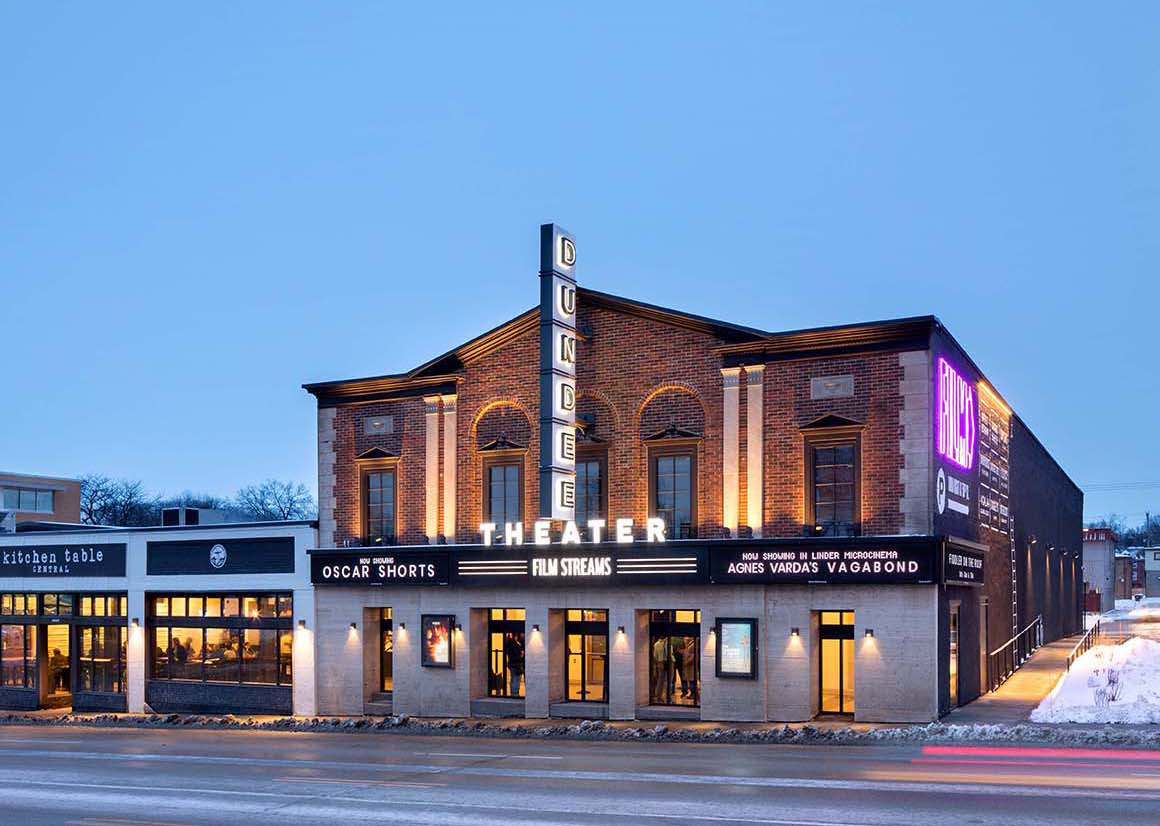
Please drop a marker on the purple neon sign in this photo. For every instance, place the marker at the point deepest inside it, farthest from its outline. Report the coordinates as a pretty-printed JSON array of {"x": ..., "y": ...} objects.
[{"x": 955, "y": 421}]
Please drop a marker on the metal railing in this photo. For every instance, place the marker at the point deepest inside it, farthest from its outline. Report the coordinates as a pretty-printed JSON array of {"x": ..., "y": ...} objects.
[
  {"x": 1085, "y": 643},
  {"x": 1006, "y": 659}
]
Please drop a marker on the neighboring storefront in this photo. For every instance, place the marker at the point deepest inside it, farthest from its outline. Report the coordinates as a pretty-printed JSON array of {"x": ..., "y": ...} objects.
[{"x": 189, "y": 619}]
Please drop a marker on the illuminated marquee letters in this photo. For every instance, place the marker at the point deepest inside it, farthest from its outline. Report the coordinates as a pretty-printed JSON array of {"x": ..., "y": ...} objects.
[
  {"x": 557, "y": 374},
  {"x": 955, "y": 417},
  {"x": 513, "y": 533}
]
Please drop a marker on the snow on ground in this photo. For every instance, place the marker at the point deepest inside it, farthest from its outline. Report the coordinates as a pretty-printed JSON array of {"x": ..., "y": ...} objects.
[{"x": 1108, "y": 684}]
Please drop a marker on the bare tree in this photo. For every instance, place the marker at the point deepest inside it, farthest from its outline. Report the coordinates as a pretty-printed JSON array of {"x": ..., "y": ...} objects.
[
  {"x": 272, "y": 501},
  {"x": 116, "y": 502}
]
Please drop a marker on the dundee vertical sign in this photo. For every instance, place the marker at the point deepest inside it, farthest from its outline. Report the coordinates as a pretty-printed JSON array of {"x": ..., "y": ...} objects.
[{"x": 557, "y": 373}]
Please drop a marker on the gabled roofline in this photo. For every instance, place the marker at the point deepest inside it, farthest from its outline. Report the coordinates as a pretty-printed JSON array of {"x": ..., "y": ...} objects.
[
  {"x": 677, "y": 318},
  {"x": 445, "y": 368},
  {"x": 911, "y": 332}
]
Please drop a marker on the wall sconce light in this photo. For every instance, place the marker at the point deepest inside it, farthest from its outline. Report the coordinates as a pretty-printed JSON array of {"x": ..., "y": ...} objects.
[
  {"x": 870, "y": 633},
  {"x": 354, "y": 626},
  {"x": 620, "y": 629},
  {"x": 302, "y": 624},
  {"x": 136, "y": 622},
  {"x": 459, "y": 628},
  {"x": 402, "y": 626},
  {"x": 795, "y": 632},
  {"x": 536, "y": 628}
]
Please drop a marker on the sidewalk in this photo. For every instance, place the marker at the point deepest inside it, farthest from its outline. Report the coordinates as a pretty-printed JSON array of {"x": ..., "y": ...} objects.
[{"x": 1014, "y": 701}]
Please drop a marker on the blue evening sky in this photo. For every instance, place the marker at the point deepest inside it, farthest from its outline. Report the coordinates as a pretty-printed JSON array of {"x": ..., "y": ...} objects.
[{"x": 204, "y": 206}]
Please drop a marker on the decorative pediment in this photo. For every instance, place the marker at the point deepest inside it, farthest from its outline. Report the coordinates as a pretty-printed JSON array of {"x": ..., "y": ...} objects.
[
  {"x": 376, "y": 453},
  {"x": 673, "y": 432},
  {"x": 502, "y": 443},
  {"x": 831, "y": 420}
]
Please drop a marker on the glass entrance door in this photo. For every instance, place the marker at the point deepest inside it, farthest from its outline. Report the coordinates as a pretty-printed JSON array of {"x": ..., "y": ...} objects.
[
  {"x": 586, "y": 663},
  {"x": 954, "y": 655},
  {"x": 836, "y": 683},
  {"x": 57, "y": 692},
  {"x": 387, "y": 651},
  {"x": 675, "y": 658},
  {"x": 505, "y": 661}
]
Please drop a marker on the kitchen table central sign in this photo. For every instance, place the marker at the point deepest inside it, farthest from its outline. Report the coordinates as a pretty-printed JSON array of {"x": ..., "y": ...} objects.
[{"x": 63, "y": 560}]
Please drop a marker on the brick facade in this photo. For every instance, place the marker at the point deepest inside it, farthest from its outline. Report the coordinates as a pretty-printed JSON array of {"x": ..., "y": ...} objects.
[{"x": 636, "y": 377}]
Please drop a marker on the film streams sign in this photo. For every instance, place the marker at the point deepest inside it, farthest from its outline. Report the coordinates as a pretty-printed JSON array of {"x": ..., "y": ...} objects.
[
  {"x": 557, "y": 374},
  {"x": 369, "y": 568},
  {"x": 963, "y": 566},
  {"x": 63, "y": 560},
  {"x": 833, "y": 565}
]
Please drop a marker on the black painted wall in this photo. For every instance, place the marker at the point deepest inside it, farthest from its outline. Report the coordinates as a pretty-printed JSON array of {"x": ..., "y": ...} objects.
[
  {"x": 213, "y": 698},
  {"x": 1048, "y": 509}
]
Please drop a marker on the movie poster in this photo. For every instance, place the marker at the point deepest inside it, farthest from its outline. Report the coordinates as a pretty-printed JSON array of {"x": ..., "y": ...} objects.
[
  {"x": 438, "y": 651},
  {"x": 736, "y": 648}
]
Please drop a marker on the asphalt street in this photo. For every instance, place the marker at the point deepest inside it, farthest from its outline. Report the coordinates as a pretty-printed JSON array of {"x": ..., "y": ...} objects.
[{"x": 129, "y": 777}]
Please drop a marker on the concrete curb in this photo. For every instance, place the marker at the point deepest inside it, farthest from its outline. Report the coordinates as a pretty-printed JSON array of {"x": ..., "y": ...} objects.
[{"x": 802, "y": 734}]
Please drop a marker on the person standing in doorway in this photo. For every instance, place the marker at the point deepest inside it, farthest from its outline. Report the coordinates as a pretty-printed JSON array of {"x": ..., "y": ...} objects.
[{"x": 513, "y": 649}]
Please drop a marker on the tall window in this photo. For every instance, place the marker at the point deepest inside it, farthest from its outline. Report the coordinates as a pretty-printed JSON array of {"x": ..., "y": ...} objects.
[
  {"x": 673, "y": 488},
  {"x": 101, "y": 659},
  {"x": 503, "y": 493},
  {"x": 379, "y": 506},
  {"x": 222, "y": 638},
  {"x": 833, "y": 490},
  {"x": 590, "y": 489}
]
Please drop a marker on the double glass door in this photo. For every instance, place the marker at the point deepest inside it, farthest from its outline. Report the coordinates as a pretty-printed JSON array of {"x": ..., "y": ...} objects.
[
  {"x": 505, "y": 663},
  {"x": 675, "y": 658},
  {"x": 836, "y": 685},
  {"x": 586, "y": 671}
]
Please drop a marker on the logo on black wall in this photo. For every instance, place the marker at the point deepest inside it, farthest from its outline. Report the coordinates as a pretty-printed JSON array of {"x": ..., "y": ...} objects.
[
  {"x": 940, "y": 491},
  {"x": 217, "y": 556}
]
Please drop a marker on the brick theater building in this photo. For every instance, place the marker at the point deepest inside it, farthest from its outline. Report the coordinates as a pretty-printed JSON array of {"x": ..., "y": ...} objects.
[{"x": 606, "y": 508}]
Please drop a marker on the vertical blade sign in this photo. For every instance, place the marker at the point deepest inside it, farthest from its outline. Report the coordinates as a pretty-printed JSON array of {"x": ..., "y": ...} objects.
[{"x": 557, "y": 373}]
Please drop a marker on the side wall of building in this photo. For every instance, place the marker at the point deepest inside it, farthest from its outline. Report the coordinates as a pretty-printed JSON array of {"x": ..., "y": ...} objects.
[{"x": 1048, "y": 513}]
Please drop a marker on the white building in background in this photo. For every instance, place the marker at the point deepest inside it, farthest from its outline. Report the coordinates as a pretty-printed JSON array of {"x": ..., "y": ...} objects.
[{"x": 1099, "y": 568}]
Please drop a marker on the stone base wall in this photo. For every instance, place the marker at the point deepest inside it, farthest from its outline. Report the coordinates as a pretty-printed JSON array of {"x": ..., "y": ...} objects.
[{"x": 896, "y": 670}]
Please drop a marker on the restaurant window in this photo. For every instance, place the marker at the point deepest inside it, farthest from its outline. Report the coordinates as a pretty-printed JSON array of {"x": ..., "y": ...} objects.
[
  {"x": 234, "y": 638},
  {"x": 591, "y": 487},
  {"x": 18, "y": 605},
  {"x": 17, "y": 656},
  {"x": 505, "y": 670},
  {"x": 387, "y": 650},
  {"x": 673, "y": 489},
  {"x": 586, "y": 655},
  {"x": 101, "y": 659},
  {"x": 833, "y": 489},
  {"x": 503, "y": 491},
  {"x": 379, "y": 495}
]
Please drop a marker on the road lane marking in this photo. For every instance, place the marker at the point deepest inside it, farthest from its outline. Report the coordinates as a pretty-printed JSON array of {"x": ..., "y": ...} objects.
[
  {"x": 1058, "y": 753},
  {"x": 482, "y": 756},
  {"x": 354, "y": 782},
  {"x": 1078, "y": 764},
  {"x": 987, "y": 786}
]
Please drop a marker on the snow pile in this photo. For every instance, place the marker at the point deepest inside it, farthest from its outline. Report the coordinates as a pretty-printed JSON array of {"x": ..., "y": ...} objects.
[{"x": 1108, "y": 684}]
